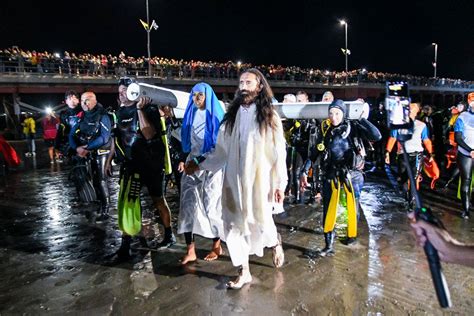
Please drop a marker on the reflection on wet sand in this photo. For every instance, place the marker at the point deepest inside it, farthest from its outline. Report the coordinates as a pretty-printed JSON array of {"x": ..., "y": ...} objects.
[{"x": 54, "y": 258}]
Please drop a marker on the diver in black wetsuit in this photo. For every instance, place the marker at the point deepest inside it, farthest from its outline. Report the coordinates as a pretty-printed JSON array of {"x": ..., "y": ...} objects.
[
  {"x": 90, "y": 139},
  {"x": 464, "y": 135},
  {"x": 297, "y": 155},
  {"x": 341, "y": 150},
  {"x": 67, "y": 119},
  {"x": 139, "y": 145},
  {"x": 173, "y": 127},
  {"x": 299, "y": 141}
]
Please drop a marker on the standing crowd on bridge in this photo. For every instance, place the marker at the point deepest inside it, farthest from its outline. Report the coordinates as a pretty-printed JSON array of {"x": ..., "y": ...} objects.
[
  {"x": 14, "y": 60},
  {"x": 236, "y": 167}
]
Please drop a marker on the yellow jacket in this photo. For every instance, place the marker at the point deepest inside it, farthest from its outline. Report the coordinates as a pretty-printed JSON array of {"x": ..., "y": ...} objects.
[{"x": 29, "y": 126}]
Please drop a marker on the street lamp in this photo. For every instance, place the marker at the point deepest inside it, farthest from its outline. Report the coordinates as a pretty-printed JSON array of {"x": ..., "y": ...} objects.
[
  {"x": 148, "y": 39},
  {"x": 148, "y": 28},
  {"x": 346, "y": 50},
  {"x": 435, "y": 63}
]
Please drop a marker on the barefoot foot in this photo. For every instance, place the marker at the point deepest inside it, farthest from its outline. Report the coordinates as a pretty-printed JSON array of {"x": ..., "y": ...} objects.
[
  {"x": 278, "y": 254},
  {"x": 244, "y": 278},
  {"x": 214, "y": 254},
  {"x": 188, "y": 258},
  {"x": 190, "y": 255}
]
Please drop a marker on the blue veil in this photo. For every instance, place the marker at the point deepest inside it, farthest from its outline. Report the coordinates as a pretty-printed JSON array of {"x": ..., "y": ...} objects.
[{"x": 214, "y": 115}]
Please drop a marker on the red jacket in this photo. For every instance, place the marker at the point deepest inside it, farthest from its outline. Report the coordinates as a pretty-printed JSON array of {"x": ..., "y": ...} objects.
[{"x": 50, "y": 128}]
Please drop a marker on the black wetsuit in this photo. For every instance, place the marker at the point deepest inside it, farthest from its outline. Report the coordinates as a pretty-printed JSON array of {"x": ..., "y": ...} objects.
[
  {"x": 137, "y": 154},
  {"x": 176, "y": 154},
  {"x": 125, "y": 132},
  {"x": 94, "y": 131},
  {"x": 297, "y": 155},
  {"x": 464, "y": 136},
  {"x": 379, "y": 119},
  {"x": 67, "y": 119},
  {"x": 340, "y": 150},
  {"x": 342, "y": 154}
]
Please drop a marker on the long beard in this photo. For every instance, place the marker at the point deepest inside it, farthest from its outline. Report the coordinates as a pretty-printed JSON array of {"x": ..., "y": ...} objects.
[{"x": 246, "y": 97}]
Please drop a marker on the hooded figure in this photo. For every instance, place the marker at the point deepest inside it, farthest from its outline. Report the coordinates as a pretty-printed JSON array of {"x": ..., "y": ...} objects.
[
  {"x": 213, "y": 115},
  {"x": 200, "y": 202}
]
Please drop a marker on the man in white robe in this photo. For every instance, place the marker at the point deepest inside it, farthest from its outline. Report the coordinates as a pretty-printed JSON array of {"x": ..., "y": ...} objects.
[{"x": 251, "y": 146}]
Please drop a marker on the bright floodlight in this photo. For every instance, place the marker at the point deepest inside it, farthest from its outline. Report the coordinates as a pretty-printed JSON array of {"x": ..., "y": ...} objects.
[
  {"x": 239, "y": 63},
  {"x": 48, "y": 110},
  {"x": 342, "y": 22},
  {"x": 434, "y": 44},
  {"x": 56, "y": 55}
]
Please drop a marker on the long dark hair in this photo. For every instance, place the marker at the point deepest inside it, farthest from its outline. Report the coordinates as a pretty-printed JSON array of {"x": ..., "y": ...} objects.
[{"x": 263, "y": 102}]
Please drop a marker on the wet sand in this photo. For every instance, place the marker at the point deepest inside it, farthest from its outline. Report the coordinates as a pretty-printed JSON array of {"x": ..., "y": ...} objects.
[{"x": 54, "y": 259}]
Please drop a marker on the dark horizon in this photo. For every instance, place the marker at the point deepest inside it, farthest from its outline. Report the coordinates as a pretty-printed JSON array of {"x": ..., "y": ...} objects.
[{"x": 382, "y": 37}]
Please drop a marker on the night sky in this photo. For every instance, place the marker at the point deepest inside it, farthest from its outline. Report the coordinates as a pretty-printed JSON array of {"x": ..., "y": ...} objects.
[{"x": 387, "y": 36}]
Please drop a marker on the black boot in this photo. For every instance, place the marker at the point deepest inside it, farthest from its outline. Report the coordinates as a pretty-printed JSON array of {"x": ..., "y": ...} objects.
[
  {"x": 143, "y": 242},
  {"x": 350, "y": 240},
  {"x": 124, "y": 251},
  {"x": 465, "y": 214},
  {"x": 298, "y": 195},
  {"x": 465, "y": 202},
  {"x": 169, "y": 239},
  {"x": 104, "y": 213},
  {"x": 329, "y": 241}
]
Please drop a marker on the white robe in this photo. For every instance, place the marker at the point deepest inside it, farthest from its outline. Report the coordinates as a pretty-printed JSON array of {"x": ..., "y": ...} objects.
[
  {"x": 200, "y": 200},
  {"x": 255, "y": 166}
]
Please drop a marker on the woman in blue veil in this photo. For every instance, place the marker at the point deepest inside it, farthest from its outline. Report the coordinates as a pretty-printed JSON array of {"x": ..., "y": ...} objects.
[{"x": 200, "y": 206}]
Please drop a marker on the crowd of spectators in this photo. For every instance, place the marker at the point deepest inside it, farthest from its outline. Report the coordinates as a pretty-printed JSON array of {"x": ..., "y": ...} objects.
[{"x": 15, "y": 60}]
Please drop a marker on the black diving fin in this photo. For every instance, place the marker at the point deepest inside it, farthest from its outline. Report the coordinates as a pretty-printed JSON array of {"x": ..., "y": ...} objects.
[{"x": 82, "y": 178}]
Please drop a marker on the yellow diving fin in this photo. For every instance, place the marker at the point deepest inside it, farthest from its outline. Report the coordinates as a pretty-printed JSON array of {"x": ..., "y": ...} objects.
[
  {"x": 351, "y": 210},
  {"x": 129, "y": 206},
  {"x": 331, "y": 214},
  {"x": 164, "y": 137}
]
